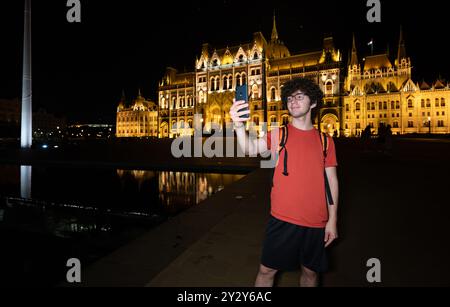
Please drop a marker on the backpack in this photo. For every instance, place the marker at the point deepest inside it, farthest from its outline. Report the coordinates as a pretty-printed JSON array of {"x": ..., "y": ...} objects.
[{"x": 283, "y": 136}]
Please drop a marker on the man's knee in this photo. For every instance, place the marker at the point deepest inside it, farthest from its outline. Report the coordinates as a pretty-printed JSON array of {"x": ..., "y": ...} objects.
[{"x": 263, "y": 270}]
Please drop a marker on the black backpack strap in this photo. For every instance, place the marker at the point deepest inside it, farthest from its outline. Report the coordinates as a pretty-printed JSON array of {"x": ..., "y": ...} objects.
[
  {"x": 328, "y": 190},
  {"x": 325, "y": 145},
  {"x": 283, "y": 147},
  {"x": 283, "y": 136},
  {"x": 324, "y": 142}
]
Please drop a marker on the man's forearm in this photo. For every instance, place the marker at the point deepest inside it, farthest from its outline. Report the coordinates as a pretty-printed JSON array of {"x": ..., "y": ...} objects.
[
  {"x": 332, "y": 212},
  {"x": 242, "y": 139}
]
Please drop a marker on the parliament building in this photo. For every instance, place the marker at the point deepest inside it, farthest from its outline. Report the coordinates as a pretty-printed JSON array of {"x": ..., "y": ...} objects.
[
  {"x": 378, "y": 92},
  {"x": 137, "y": 119},
  {"x": 373, "y": 92}
]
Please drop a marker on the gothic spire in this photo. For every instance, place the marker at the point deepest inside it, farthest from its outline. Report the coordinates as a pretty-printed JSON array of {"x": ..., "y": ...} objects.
[
  {"x": 401, "y": 47},
  {"x": 354, "y": 57},
  {"x": 274, "y": 30}
]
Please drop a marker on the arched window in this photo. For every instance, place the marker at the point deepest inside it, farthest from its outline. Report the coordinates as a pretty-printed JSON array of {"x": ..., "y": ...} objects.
[
  {"x": 442, "y": 102},
  {"x": 244, "y": 79},
  {"x": 273, "y": 94},
  {"x": 225, "y": 81},
  {"x": 213, "y": 86},
  {"x": 410, "y": 104},
  {"x": 329, "y": 88},
  {"x": 238, "y": 80},
  {"x": 437, "y": 102},
  {"x": 273, "y": 120},
  {"x": 255, "y": 91},
  {"x": 255, "y": 56},
  {"x": 285, "y": 120},
  {"x": 357, "y": 106},
  {"x": 217, "y": 83},
  {"x": 174, "y": 102},
  {"x": 230, "y": 82},
  {"x": 428, "y": 103}
]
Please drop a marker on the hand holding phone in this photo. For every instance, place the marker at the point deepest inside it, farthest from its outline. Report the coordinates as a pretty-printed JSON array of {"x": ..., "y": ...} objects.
[{"x": 242, "y": 95}]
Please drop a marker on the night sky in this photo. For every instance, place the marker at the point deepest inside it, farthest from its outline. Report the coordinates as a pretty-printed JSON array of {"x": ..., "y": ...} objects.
[{"x": 79, "y": 70}]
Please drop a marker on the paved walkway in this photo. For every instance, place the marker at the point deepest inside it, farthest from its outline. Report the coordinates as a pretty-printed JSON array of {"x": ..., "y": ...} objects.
[{"x": 228, "y": 254}]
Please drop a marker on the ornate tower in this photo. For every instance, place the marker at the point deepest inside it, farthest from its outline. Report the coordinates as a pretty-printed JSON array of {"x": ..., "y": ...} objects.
[
  {"x": 354, "y": 67},
  {"x": 402, "y": 62}
]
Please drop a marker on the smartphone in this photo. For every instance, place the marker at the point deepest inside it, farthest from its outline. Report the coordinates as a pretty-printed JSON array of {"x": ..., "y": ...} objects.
[{"x": 242, "y": 94}]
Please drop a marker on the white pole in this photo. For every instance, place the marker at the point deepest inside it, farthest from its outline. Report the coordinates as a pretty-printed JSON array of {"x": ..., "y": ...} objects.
[{"x": 26, "y": 138}]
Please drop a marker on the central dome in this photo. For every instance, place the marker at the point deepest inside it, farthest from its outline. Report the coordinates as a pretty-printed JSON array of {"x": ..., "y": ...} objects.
[{"x": 277, "y": 50}]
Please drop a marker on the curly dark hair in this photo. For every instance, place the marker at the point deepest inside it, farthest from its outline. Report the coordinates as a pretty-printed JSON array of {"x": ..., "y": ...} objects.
[{"x": 307, "y": 86}]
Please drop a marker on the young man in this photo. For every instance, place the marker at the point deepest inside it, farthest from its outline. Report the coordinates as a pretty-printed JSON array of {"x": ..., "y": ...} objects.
[{"x": 302, "y": 222}]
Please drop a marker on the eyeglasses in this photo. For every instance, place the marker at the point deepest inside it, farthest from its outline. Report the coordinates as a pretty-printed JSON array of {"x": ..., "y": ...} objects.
[{"x": 296, "y": 97}]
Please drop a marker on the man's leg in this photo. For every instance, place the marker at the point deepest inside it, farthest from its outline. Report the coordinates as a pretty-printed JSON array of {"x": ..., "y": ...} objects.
[
  {"x": 265, "y": 277},
  {"x": 308, "y": 278}
]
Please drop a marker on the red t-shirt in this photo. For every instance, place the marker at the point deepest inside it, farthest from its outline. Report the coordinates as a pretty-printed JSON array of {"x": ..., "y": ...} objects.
[{"x": 300, "y": 197}]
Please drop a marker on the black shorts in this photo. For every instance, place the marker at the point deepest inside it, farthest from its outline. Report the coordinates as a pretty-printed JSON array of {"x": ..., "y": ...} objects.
[{"x": 287, "y": 247}]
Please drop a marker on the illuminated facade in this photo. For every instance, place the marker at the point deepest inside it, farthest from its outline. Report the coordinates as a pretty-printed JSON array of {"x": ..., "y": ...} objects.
[
  {"x": 375, "y": 92},
  {"x": 381, "y": 93},
  {"x": 140, "y": 119},
  {"x": 264, "y": 66}
]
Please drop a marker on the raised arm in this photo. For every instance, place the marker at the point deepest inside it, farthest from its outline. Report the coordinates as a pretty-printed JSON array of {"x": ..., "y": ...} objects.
[{"x": 255, "y": 145}]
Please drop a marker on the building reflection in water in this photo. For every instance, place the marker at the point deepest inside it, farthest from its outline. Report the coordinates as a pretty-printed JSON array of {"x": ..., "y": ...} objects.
[
  {"x": 139, "y": 176},
  {"x": 181, "y": 190}
]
